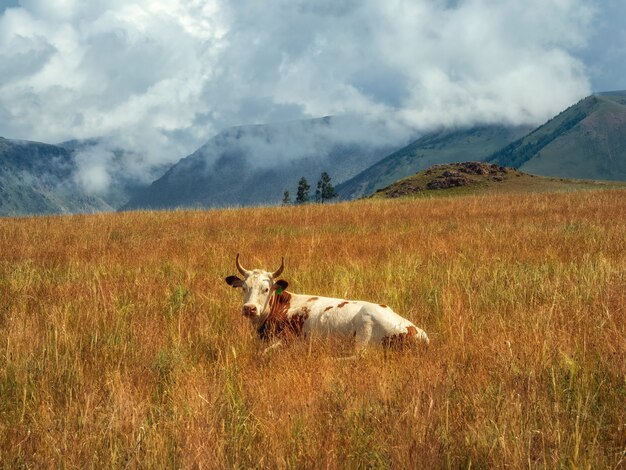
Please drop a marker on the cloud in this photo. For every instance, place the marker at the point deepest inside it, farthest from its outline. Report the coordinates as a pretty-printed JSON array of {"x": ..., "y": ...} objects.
[
  {"x": 93, "y": 170},
  {"x": 605, "y": 54},
  {"x": 278, "y": 144},
  {"x": 162, "y": 77}
]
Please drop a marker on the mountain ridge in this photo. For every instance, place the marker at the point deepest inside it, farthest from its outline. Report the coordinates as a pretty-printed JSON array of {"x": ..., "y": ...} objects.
[
  {"x": 253, "y": 165},
  {"x": 587, "y": 140},
  {"x": 36, "y": 178},
  {"x": 441, "y": 146}
]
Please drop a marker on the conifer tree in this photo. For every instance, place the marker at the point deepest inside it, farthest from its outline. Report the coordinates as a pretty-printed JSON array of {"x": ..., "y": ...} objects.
[
  {"x": 303, "y": 191},
  {"x": 325, "y": 190},
  {"x": 286, "y": 198}
]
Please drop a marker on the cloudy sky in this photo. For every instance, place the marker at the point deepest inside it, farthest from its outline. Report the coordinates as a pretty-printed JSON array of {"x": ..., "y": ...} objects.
[{"x": 163, "y": 76}]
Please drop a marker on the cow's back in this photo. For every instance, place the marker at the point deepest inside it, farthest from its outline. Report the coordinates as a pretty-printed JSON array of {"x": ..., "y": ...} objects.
[
  {"x": 368, "y": 321},
  {"x": 331, "y": 316}
]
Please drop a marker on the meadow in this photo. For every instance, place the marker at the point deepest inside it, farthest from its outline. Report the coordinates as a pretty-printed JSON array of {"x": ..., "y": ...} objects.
[{"x": 121, "y": 346}]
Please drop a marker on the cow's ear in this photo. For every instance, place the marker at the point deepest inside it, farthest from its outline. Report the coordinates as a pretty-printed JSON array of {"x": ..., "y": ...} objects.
[
  {"x": 234, "y": 281},
  {"x": 280, "y": 285}
]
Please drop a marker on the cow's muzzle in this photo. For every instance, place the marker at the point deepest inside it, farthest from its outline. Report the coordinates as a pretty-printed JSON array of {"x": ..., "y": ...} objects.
[{"x": 250, "y": 310}]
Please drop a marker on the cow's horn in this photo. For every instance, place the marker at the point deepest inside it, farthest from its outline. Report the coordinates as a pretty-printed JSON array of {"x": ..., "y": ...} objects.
[
  {"x": 243, "y": 271},
  {"x": 280, "y": 270}
]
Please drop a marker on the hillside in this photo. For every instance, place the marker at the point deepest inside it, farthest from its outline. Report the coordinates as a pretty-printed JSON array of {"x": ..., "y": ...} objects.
[
  {"x": 482, "y": 178},
  {"x": 36, "y": 178},
  {"x": 587, "y": 140},
  {"x": 253, "y": 165},
  {"x": 123, "y": 347},
  {"x": 444, "y": 146}
]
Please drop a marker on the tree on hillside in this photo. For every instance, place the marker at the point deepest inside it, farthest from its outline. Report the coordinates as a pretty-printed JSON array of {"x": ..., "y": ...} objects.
[
  {"x": 303, "y": 191},
  {"x": 286, "y": 198},
  {"x": 325, "y": 190}
]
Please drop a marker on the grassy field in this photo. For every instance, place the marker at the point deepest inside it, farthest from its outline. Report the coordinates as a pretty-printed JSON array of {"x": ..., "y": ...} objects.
[{"x": 122, "y": 347}]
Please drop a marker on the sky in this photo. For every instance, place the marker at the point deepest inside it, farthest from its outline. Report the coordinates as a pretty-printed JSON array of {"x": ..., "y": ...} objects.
[{"x": 163, "y": 76}]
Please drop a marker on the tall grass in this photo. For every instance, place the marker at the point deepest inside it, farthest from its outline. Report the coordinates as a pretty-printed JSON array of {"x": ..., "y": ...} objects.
[{"x": 121, "y": 345}]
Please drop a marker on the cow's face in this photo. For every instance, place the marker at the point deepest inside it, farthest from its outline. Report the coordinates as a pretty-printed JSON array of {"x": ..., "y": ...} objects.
[{"x": 257, "y": 288}]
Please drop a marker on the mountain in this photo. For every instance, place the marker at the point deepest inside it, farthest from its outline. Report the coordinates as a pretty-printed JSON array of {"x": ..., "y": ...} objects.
[
  {"x": 36, "y": 178},
  {"x": 443, "y": 146},
  {"x": 482, "y": 178},
  {"x": 587, "y": 140},
  {"x": 252, "y": 165}
]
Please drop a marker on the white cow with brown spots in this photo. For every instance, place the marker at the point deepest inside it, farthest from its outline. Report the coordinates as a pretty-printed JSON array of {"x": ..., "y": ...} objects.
[{"x": 277, "y": 314}]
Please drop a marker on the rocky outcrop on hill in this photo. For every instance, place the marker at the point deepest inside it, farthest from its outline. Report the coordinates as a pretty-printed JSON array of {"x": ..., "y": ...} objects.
[{"x": 453, "y": 175}]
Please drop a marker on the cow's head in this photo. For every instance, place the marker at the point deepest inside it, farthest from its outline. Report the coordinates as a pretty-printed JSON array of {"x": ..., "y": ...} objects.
[{"x": 257, "y": 286}]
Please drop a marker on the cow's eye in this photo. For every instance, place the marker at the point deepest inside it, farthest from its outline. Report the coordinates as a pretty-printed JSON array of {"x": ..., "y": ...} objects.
[{"x": 266, "y": 290}]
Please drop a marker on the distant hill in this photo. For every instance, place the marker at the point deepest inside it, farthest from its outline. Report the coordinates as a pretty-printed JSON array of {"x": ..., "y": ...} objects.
[
  {"x": 36, "y": 178},
  {"x": 444, "y": 146},
  {"x": 587, "y": 140},
  {"x": 252, "y": 165},
  {"x": 482, "y": 178}
]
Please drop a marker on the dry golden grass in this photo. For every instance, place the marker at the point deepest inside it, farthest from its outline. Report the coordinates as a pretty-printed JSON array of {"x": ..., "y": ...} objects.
[{"x": 121, "y": 345}]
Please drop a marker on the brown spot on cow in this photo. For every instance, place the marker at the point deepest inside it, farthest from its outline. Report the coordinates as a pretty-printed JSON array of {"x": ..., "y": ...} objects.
[
  {"x": 382, "y": 305},
  {"x": 295, "y": 323},
  {"x": 278, "y": 324},
  {"x": 276, "y": 319},
  {"x": 312, "y": 299},
  {"x": 328, "y": 308},
  {"x": 343, "y": 304}
]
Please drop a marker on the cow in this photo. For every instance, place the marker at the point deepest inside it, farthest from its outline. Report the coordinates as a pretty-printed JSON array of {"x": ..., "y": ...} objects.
[{"x": 279, "y": 315}]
